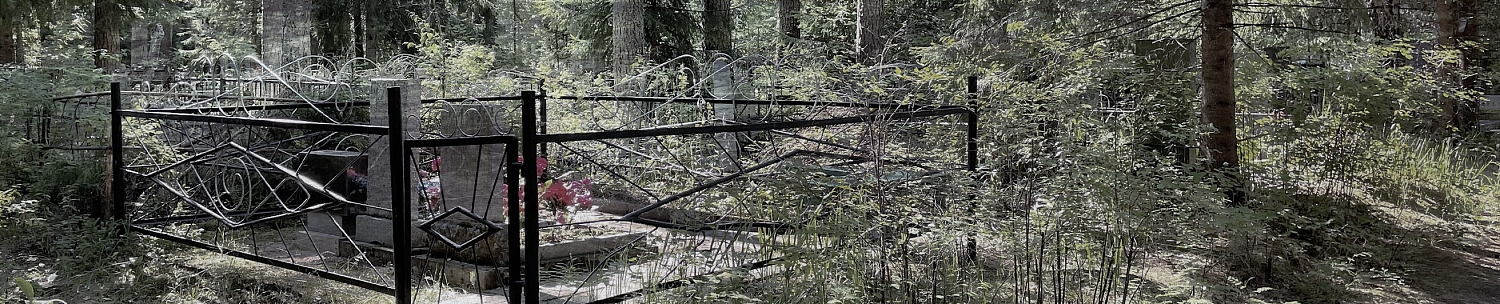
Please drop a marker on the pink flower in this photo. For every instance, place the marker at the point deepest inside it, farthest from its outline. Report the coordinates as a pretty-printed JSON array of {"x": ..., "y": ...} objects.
[
  {"x": 571, "y": 194},
  {"x": 559, "y": 192},
  {"x": 505, "y": 198},
  {"x": 505, "y": 193},
  {"x": 582, "y": 192},
  {"x": 558, "y": 196},
  {"x": 541, "y": 164}
]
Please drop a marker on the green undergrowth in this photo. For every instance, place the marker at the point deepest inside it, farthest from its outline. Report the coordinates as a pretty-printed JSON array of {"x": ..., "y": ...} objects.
[
  {"x": 50, "y": 254},
  {"x": 1346, "y": 214}
]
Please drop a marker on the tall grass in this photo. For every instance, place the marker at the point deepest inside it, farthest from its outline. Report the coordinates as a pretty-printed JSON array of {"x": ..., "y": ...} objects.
[{"x": 1444, "y": 176}]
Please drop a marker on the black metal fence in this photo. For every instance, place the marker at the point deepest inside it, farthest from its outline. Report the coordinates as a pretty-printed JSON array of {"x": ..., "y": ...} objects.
[{"x": 408, "y": 196}]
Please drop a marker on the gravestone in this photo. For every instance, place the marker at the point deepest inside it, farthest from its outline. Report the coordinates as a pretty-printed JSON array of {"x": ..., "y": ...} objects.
[
  {"x": 151, "y": 47},
  {"x": 341, "y": 172},
  {"x": 331, "y": 168},
  {"x": 472, "y": 175},
  {"x": 730, "y": 143},
  {"x": 724, "y": 89},
  {"x": 374, "y": 225},
  {"x": 1489, "y": 113}
]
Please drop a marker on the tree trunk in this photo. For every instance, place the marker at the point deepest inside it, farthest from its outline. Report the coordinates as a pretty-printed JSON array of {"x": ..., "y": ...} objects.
[
  {"x": 1218, "y": 93},
  {"x": 1447, "y": 70},
  {"x": 718, "y": 27},
  {"x": 1466, "y": 112},
  {"x": 107, "y": 19},
  {"x": 9, "y": 44},
  {"x": 788, "y": 20},
  {"x": 332, "y": 28},
  {"x": 870, "y": 25},
  {"x": 628, "y": 38},
  {"x": 386, "y": 29},
  {"x": 285, "y": 31},
  {"x": 361, "y": 37}
]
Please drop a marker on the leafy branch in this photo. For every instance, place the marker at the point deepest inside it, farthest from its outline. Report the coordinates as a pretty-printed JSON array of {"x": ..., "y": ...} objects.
[
  {"x": 1283, "y": 25},
  {"x": 1143, "y": 18},
  {"x": 1149, "y": 25}
]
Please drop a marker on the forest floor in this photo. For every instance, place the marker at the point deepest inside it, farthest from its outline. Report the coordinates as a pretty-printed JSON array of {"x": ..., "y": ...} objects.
[
  {"x": 1461, "y": 268},
  {"x": 1400, "y": 256}
]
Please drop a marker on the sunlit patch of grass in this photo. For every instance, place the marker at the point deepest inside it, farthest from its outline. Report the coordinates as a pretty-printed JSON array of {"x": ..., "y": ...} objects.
[
  {"x": 1443, "y": 176},
  {"x": 1353, "y": 213}
]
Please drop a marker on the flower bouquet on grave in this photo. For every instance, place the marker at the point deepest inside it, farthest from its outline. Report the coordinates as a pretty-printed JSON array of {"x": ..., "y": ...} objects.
[
  {"x": 560, "y": 196},
  {"x": 430, "y": 187}
]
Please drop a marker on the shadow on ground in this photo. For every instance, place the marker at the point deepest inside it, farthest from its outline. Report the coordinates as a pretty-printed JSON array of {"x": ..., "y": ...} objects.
[{"x": 1337, "y": 247}]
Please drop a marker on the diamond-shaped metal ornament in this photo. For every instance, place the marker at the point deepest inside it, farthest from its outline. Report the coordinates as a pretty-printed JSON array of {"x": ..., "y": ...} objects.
[{"x": 490, "y": 228}]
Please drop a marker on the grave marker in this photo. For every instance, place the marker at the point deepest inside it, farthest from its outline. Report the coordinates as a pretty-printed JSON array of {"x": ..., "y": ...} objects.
[
  {"x": 374, "y": 225},
  {"x": 472, "y": 175}
]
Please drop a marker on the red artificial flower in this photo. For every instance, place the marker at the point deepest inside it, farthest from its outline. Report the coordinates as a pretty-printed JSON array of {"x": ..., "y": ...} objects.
[
  {"x": 576, "y": 194},
  {"x": 582, "y": 192},
  {"x": 541, "y": 164},
  {"x": 558, "y": 192}
]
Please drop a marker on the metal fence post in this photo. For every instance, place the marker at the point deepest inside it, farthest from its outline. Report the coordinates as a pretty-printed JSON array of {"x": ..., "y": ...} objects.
[
  {"x": 532, "y": 292},
  {"x": 116, "y": 154},
  {"x": 400, "y": 202},
  {"x": 973, "y": 157},
  {"x": 541, "y": 112},
  {"x": 513, "y": 220}
]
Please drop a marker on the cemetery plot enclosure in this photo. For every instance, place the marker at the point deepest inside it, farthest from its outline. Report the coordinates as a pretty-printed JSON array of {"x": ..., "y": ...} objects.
[{"x": 524, "y": 198}]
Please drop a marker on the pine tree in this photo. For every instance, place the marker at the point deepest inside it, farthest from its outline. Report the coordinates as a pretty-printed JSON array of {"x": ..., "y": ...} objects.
[
  {"x": 628, "y": 39},
  {"x": 1218, "y": 92},
  {"x": 870, "y": 27},
  {"x": 718, "y": 27},
  {"x": 788, "y": 18},
  {"x": 108, "y": 20}
]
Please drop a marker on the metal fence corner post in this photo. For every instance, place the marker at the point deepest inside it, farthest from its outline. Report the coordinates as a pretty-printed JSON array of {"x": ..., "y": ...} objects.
[
  {"x": 400, "y": 200},
  {"x": 116, "y": 156},
  {"x": 532, "y": 287}
]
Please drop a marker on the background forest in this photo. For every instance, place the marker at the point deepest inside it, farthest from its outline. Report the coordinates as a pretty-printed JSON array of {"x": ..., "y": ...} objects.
[{"x": 1131, "y": 151}]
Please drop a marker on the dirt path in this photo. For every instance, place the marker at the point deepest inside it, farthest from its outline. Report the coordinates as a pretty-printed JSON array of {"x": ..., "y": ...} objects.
[{"x": 1453, "y": 270}]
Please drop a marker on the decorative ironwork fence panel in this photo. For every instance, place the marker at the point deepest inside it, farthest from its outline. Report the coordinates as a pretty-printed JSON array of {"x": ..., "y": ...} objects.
[{"x": 603, "y": 200}]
